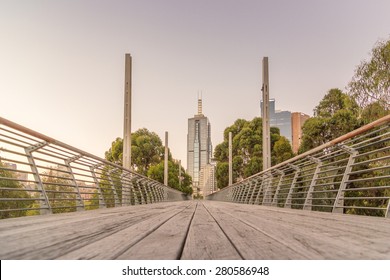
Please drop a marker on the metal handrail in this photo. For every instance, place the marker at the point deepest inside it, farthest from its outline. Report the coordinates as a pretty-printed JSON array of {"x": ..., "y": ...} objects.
[
  {"x": 41, "y": 175},
  {"x": 350, "y": 175}
]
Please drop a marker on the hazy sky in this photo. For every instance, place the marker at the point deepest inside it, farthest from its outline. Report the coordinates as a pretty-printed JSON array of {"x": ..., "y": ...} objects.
[{"x": 62, "y": 62}]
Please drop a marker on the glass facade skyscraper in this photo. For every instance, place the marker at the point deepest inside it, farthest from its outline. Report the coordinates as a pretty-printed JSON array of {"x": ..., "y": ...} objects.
[
  {"x": 279, "y": 119},
  {"x": 199, "y": 147}
]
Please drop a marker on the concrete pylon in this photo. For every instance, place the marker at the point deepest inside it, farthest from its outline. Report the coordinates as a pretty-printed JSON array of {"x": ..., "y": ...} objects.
[
  {"x": 127, "y": 115},
  {"x": 179, "y": 173},
  {"x": 265, "y": 117},
  {"x": 166, "y": 160},
  {"x": 230, "y": 159}
]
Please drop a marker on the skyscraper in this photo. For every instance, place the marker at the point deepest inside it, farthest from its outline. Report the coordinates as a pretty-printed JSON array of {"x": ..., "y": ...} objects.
[
  {"x": 290, "y": 124},
  {"x": 199, "y": 147},
  {"x": 279, "y": 119}
]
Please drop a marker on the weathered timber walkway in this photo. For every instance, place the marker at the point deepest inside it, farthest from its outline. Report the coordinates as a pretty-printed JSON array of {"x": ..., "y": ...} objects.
[{"x": 195, "y": 230}]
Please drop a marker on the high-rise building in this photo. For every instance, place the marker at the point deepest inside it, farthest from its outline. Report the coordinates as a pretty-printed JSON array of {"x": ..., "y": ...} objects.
[
  {"x": 297, "y": 120},
  {"x": 279, "y": 119},
  {"x": 207, "y": 182},
  {"x": 199, "y": 147},
  {"x": 289, "y": 124}
]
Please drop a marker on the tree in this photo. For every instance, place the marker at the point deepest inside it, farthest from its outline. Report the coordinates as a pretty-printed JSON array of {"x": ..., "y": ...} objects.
[
  {"x": 156, "y": 172},
  {"x": 333, "y": 102},
  {"x": 59, "y": 190},
  {"x": 371, "y": 82},
  {"x": 146, "y": 150},
  {"x": 282, "y": 150},
  {"x": 147, "y": 158},
  {"x": 13, "y": 190},
  {"x": 247, "y": 150},
  {"x": 335, "y": 115},
  {"x": 374, "y": 111}
]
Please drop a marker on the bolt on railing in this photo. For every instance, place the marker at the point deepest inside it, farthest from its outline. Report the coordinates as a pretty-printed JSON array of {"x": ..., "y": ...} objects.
[
  {"x": 40, "y": 175},
  {"x": 350, "y": 175}
]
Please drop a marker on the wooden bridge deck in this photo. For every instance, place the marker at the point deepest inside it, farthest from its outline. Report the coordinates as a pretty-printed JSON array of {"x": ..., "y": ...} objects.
[{"x": 195, "y": 230}]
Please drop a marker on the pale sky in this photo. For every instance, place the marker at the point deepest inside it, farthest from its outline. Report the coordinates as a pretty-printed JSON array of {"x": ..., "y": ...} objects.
[{"x": 62, "y": 62}]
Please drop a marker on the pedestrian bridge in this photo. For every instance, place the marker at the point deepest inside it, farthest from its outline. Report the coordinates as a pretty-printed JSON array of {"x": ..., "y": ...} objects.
[{"x": 63, "y": 203}]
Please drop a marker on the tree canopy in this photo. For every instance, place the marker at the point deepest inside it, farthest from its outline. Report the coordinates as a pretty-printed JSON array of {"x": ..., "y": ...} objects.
[
  {"x": 182, "y": 184},
  {"x": 247, "y": 150},
  {"x": 335, "y": 115},
  {"x": 147, "y": 158},
  {"x": 146, "y": 150},
  {"x": 371, "y": 82},
  {"x": 12, "y": 189}
]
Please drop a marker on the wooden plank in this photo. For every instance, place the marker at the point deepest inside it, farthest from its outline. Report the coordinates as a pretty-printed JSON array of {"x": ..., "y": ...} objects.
[
  {"x": 206, "y": 240},
  {"x": 52, "y": 239},
  {"x": 252, "y": 243},
  {"x": 118, "y": 243},
  {"x": 215, "y": 230},
  {"x": 319, "y": 235},
  {"x": 165, "y": 243}
]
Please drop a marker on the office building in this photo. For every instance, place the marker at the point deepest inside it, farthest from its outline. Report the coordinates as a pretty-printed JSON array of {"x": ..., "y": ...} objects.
[
  {"x": 207, "y": 182},
  {"x": 289, "y": 124},
  {"x": 297, "y": 121},
  {"x": 279, "y": 119},
  {"x": 199, "y": 147}
]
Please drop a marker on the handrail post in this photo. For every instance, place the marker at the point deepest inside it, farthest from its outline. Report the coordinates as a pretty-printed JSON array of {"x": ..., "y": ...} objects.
[
  {"x": 116, "y": 199},
  {"x": 257, "y": 200},
  {"x": 79, "y": 201},
  {"x": 160, "y": 192},
  {"x": 148, "y": 198},
  {"x": 234, "y": 194},
  {"x": 275, "y": 198},
  {"x": 254, "y": 182},
  {"x": 339, "y": 201},
  {"x": 102, "y": 203},
  {"x": 287, "y": 204},
  {"x": 246, "y": 188},
  {"x": 309, "y": 196},
  {"x": 45, "y": 207},
  {"x": 267, "y": 194},
  {"x": 125, "y": 191}
]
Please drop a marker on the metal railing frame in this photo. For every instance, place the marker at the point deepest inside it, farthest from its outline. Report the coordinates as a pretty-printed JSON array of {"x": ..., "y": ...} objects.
[
  {"x": 323, "y": 178},
  {"x": 57, "y": 172}
]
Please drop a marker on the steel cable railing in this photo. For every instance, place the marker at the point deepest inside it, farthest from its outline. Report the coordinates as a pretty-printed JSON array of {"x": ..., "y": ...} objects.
[
  {"x": 350, "y": 174},
  {"x": 40, "y": 175}
]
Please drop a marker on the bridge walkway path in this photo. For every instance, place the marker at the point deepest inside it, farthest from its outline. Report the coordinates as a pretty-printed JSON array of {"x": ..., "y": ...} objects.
[{"x": 197, "y": 230}]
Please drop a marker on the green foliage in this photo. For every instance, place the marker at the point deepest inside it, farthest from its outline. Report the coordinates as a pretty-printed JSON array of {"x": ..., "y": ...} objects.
[
  {"x": 373, "y": 173},
  {"x": 18, "y": 193},
  {"x": 156, "y": 172},
  {"x": 61, "y": 195},
  {"x": 147, "y": 158},
  {"x": 247, "y": 150},
  {"x": 222, "y": 174},
  {"x": 146, "y": 150},
  {"x": 374, "y": 111},
  {"x": 371, "y": 82},
  {"x": 334, "y": 102},
  {"x": 336, "y": 115},
  {"x": 115, "y": 153},
  {"x": 282, "y": 150}
]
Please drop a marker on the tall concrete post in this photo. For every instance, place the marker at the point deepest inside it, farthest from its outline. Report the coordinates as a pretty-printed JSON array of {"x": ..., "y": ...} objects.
[
  {"x": 179, "y": 173},
  {"x": 230, "y": 159},
  {"x": 127, "y": 115},
  {"x": 166, "y": 160},
  {"x": 265, "y": 117}
]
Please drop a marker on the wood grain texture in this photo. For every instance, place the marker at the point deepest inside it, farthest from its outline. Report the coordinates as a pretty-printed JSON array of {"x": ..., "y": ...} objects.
[
  {"x": 199, "y": 230},
  {"x": 206, "y": 240}
]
